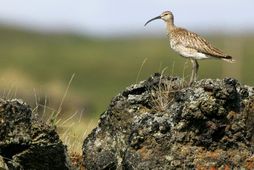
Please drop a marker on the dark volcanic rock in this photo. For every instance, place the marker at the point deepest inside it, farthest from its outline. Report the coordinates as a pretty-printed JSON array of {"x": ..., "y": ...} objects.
[
  {"x": 160, "y": 124},
  {"x": 26, "y": 143}
]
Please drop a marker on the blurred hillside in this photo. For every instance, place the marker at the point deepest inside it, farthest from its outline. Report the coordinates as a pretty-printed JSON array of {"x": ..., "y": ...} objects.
[{"x": 39, "y": 66}]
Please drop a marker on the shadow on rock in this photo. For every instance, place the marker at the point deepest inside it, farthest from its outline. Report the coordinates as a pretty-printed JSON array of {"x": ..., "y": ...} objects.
[{"x": 161, "y": 124}]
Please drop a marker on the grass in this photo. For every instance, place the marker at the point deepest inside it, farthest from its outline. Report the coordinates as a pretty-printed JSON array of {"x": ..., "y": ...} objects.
[
  {"x": 163, "y": 95},
  {"x": 72, "y": 130}
]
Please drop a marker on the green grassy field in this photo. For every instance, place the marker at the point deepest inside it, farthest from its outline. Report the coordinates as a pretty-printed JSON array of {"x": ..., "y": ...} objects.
[{"x": 103, "y": 67}]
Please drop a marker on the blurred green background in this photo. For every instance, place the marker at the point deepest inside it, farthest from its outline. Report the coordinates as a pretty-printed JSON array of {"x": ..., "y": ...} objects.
[{"x": 42, "y": 64}]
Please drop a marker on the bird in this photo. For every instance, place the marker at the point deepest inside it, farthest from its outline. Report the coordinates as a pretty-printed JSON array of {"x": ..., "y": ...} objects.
[{"x": 189, "y": 44}]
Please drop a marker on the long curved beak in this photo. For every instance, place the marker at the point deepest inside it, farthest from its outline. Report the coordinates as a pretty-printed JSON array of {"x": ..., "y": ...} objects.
[{"x": 158, "y": 17}]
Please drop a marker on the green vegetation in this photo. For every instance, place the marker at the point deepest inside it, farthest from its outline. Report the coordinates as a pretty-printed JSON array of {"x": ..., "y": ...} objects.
[{"x": 104, "y": 67}]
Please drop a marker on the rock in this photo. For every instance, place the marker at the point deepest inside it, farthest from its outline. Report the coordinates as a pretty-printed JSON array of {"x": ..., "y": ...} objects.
[
  {"x": 3, "y": 166},
  {"x": 27, "y": 143},
  {"x": 162, "y": 124}
]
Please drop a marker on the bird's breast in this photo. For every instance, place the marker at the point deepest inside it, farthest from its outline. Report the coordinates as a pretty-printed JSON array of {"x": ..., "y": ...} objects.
[{"x": 186, "y": 51}]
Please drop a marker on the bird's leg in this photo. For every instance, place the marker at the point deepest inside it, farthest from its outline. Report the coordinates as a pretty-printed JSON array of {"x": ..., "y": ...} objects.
[{"x": 194, "y": 72}]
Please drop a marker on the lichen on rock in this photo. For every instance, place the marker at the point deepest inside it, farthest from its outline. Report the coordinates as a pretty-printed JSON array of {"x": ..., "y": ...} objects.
[{"x": 162, "y": 124}]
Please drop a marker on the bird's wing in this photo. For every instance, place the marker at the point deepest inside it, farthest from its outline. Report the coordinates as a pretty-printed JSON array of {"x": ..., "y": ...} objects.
[{"x": 194, "y": 41}]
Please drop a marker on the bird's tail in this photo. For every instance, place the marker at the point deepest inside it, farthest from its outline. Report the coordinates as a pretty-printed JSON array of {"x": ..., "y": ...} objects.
[{"x": 228, "y": 59}]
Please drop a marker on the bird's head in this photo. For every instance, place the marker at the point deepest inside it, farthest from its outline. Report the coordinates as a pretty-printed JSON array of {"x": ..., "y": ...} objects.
[{"x": 166, "y": 16}]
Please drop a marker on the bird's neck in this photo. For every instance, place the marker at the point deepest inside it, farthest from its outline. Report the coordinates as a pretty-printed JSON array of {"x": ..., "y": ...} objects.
[{"x": 170, "y": 26}]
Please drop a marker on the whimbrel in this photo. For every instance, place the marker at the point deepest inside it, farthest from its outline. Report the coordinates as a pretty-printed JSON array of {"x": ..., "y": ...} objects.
[{"x": 189, "y": 44}]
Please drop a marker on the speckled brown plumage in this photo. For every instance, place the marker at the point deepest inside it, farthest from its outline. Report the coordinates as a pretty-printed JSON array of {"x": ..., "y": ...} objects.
[{"x": 194, "y": 41}]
